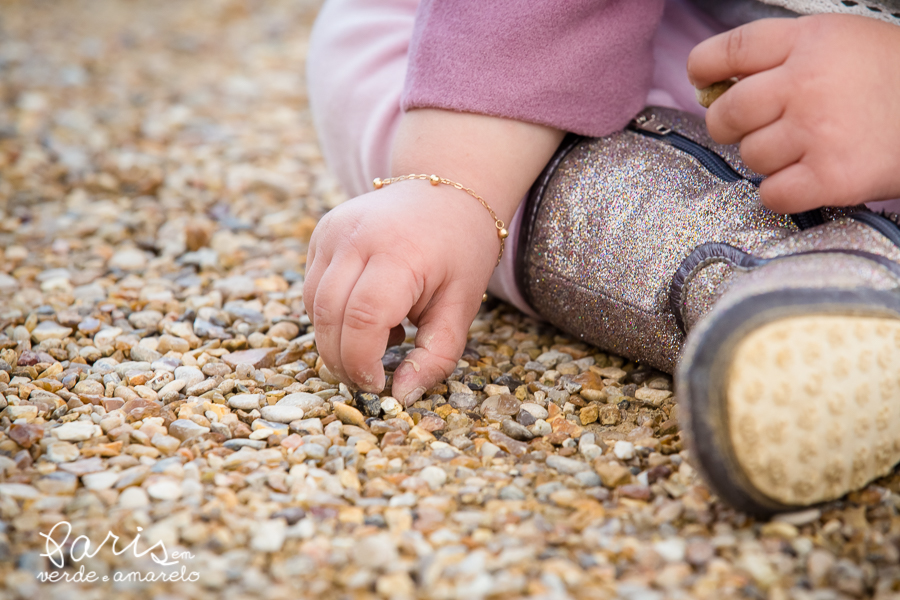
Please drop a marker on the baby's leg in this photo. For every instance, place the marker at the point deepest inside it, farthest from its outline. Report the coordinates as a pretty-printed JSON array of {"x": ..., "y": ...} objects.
[
  {"x": 356, "y": 71},
  {"x": 355, "y": 74}
]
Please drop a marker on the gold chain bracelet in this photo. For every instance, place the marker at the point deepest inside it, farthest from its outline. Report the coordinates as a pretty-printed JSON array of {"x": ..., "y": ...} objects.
[{"x": 502, "y": 233}]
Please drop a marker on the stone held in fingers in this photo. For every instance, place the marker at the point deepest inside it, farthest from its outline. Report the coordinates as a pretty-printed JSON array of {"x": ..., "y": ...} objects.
[{"x": 706, "y": 96}]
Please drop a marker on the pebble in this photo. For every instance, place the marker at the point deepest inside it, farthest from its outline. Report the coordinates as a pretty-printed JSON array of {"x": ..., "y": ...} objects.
[
  {"x": 348, "y": 414},
  {"x": 568, "y": 466},
  {"x": 189, "y": 375},
  {"x": 651, "y": 396},
  {"x": 19, "y": 491},
  {"x": 623, "y": 450},
  {"x": 184, "y": 429},
  {"x": 102, "y": 480},
  {"x": 129, "y": 259},
  {"x": 145, "y": 319},
  {"x": 247, "y": 402},
  {"x": 257, "y": 358},
  {"x": 269, "y": 535},
  {"x": 516, "y": 431},
  {"x": 464, "y": 402},
  {"x": 164, "y": 489},
  {"x": 170, "y": 343},
  {"x": 133, "y": 498},
  {"x": 61, "y": 452},
  {"x": 369, "y": 404},
  {"x": 49, "y": 330},
  {"x": 284, "y": 414},
  {"x": 75, "y": 431},
  {"x": 165, "y": 443},
  {"x": 308, "y": 402},
  {"x": 22, "y": 411},
  {"x": 536, "y": 410},
  {"x": 285, "y": 330},
  {"x": 434, "y": 476},
  {"x": 390, "y": 406},
  {"x": 58, "y": 483},
  {"x": 25, "y": 434}
]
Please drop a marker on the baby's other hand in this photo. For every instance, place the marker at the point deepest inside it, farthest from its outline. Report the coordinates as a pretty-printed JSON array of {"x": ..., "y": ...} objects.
[
  {"x": 817, "y": 107},
  {"x": 409, "y": 249}
]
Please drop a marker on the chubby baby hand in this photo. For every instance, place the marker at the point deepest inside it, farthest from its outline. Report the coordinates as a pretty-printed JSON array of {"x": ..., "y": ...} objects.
[
  {"x": 816, "y": 107},
  {"x": 409, "y": 249}
]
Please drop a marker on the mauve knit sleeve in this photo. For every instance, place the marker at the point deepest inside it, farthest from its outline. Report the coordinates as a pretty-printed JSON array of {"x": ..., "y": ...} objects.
[{"x": 578, "y": 65}]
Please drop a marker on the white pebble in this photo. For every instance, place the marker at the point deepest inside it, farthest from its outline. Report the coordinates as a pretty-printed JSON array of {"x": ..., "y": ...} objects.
[
  {"x": 434, "y": 476},
  {"x": 624, "y": 450}
]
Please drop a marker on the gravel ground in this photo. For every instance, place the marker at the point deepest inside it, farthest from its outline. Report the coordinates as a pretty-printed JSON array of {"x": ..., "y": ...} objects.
[{"x": 159, "y": 181}]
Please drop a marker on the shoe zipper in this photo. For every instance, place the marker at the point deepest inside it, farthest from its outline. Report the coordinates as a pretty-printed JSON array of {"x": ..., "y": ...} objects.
[{"x": 713, "y": 163}]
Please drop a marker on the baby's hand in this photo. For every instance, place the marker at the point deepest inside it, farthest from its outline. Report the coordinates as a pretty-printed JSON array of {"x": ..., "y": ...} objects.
[
  {"x": 817, "y": 107},
  {"x": 409, "y": 249}
]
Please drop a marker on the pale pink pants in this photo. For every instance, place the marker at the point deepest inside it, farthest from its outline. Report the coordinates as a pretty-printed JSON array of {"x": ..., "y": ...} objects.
[{"x": 356, "y": 70}]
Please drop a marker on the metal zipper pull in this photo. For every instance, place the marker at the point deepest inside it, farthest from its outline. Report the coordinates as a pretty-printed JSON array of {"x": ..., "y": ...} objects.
[{"x": 651, "y": 125}]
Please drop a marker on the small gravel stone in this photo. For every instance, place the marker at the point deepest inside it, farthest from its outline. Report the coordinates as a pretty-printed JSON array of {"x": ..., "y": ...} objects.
[
  {"x": 516, "y": 431},
  {"x": 348, "y": 414},
  {"x": 164, "y": 489},
  {"x": 258, "y": 358},
  {"x": 282, "y": 414},
  {"x": 435, "y": 477},
  {"x": 369, "y": 404},
  {"x": 184, "y": 429},
  {"x": 75, "y": 431},
  {"x": 624, "y": 450},
  {"x": 133, "y": 497},
  {"x": 464, "y": 402},
  {"x": 308, "y": 402},
  {"x": 269, "y": 536},
  {"x": 189, "y": 375},
  {"x": 246, "y": 402},
  {"x": 390, "y": 406},
  {"x": 568, "y": 466},
  {"x": 49, "y": 330},
  {"x": 61, "y": 452},
  {"x": 102, "y": 480}
]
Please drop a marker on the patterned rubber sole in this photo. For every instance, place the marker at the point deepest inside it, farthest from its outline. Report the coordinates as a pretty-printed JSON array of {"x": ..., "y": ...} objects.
[{"x": 813, "y": 405}]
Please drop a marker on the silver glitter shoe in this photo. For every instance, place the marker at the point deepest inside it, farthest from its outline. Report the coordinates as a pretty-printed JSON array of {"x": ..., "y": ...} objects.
[{"x": 652, "y": 242}]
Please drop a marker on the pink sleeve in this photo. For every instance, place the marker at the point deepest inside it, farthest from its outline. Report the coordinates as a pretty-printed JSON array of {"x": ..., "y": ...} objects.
[{"x": 579, "y": 65}]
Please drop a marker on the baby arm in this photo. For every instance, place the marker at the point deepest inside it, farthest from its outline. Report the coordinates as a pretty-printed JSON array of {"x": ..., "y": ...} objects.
[
  {"x": 816, "y": 107},
  {"x": 417, "y": 250}
]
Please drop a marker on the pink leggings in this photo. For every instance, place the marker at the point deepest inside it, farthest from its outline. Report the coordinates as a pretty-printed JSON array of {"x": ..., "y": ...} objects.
[{"x": 356, "y": 71}]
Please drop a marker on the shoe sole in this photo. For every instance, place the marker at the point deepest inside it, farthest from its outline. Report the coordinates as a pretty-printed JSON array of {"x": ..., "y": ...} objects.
[{"x": 794, "y": 397}]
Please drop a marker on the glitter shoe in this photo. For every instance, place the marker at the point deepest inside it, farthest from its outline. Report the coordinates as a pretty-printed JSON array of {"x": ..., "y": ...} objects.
[
  {"x": 789, "y": 379},
  {"x": 611, "y": 219}
]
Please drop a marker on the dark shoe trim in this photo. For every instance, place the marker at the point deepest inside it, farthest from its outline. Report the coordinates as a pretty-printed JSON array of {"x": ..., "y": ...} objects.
[
  {"x": 702, "y": 256},
  {"x": 704, "y": 371},
  {"x": 708, "y": 254},
  {"x": 881, "y": 224},
  {"x": 532, "y": 205}
]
